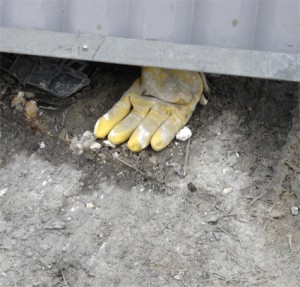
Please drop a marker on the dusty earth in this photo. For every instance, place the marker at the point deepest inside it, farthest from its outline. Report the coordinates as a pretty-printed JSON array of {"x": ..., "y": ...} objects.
[{"x": 113, "y": 218}]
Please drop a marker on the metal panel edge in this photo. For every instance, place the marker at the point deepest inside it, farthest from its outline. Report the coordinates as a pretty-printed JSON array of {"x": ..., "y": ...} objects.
[{"x": 228, "y": 61}]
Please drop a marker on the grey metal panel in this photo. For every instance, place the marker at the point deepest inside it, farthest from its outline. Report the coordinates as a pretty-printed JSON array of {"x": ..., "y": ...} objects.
[
  {"x": 278, "y": 26},
  {"x": 168, "y": 20},
  {"x": 224, "y": 23},
  {"x": 104, "y": 17},
  {"x": 40, "y": 14},
  {"x": 269, "y": 25},
  {"x": 252, "y": 25},
  {"x": 152, "y": 53}
]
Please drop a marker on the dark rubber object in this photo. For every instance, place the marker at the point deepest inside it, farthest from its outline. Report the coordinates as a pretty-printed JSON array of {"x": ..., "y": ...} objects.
[{"x": 61, "y": 78}]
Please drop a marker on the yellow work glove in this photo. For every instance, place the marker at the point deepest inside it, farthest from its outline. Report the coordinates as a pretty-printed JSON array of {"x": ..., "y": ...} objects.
[{"x": 153, "y": 110}]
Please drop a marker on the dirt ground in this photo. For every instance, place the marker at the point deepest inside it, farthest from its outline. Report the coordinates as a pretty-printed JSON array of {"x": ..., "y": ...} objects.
[{"x": 110, "y": 217}]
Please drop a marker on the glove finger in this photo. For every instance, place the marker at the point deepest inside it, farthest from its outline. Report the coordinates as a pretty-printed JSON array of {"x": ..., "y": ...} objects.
[
  {"x": 166, "y": 132},
  {"x": 118, "y": 112},
  {"x": 122, "y": 131},
  {"x": 107, "y": 122},
  {"x": 141, "y": 107},
  {"x": 142, "y": 135}
]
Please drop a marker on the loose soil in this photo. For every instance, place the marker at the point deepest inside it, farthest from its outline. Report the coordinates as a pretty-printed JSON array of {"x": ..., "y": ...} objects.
[{"x": 115, "y": 218}]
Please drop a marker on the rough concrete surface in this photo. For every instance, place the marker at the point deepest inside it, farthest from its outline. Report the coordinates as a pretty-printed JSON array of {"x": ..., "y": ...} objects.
[{"x": 108, "y": 217}]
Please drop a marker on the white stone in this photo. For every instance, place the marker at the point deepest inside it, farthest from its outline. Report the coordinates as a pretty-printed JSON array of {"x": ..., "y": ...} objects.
[
  {"x": 227, "y": 190},
  {"x": 109, "y": 144},
  {"x": 95, "y": 146},
  {"x": 179, "y": 276},
  {"x": 90, "y": 205},
  {"x": 42, "y": 145},
  {"x": 184, "y": 134},
  {"x": 3, "y": 191},
  {"x": 294, "y": 210}
]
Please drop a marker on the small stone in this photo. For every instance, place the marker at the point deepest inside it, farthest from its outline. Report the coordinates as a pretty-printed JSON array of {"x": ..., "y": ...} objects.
[
  {"x": 212, "y": 220},
  {"x": 109, "y": 144},
  {"x": 74, "y": 146},
  {"x": 294, "y": 210},
  {"x": 87, "y": 139},
  {"x": 203, "y": 101},
  {"x": 277, "y": 213},
  {"x": 179, "y": 276},
  {"x": 95, "y": 146},
  {"x": 192, "y": 187},
  {"x": 90, "y": 205},
  {"x": 227, "y": 170},
  {"x": 227, "y": 190},
  {"x": 19, "y": 108},
  {"x": 3, "y": 191},
  {"x": 184, "y": 134},
  {"x": 18, "y": 99},
  {"x": 78, "y": 145},
  {"x": 115, "y": 154},
  {"x": 42, "y": 145},
  {"x": 31, "y": 109},
  {"x": 64, "y": 136}
]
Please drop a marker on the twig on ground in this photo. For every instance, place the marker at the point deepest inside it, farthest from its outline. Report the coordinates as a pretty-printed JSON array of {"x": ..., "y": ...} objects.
[
  {"x": 224, "y": 231},
  {"x": 269, "y": 213},
  {"x": 190, "y": 214},
  {"x": 64, "y": 117},
  {"x": 249, "y": 214},
  {"x": 129, "y": 165},
  {"x": 48, "y": 108},
  {"x": 187, "y": 153},
  {"x": 221, "y": 276},
  {"x": 64, "y": 278},
  {"x": 137, "y": 170},
  {"x": 290, "y": 242},
  {"x": 256, "y": 198}
]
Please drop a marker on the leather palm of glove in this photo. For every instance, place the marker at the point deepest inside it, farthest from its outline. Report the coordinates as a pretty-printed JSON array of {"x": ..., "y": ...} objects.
[{"x": 153, "y": 110}]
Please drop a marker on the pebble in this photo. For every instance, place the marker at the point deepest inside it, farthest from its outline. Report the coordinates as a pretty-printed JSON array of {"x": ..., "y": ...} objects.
[
  {"x": 227, "y": 190},
  {"x": 19, "y": 108},
  {"x": 213, "y": 220},
  {"x": 78, "y": 145},
  {"x": 95, "y": 146},
  {"x": 31, "y": 109},
  {"x": 179, "y": 276},
  {"x": 109, "y": 144},
  {"x": 3, "y": 191},
  {"x": 87, "y": 139},
  {"x": 184, "y": 134},
  {"x": 42, "y": 145},
  {"x": 18, "y": 99},
  {"x": 191, "y": 187},
  {"x": 90, "y": 205},
  {"x": 227, "y": 170},
  {"x": 294, "y": 210},
  {"x": 115, "y": 154}
]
